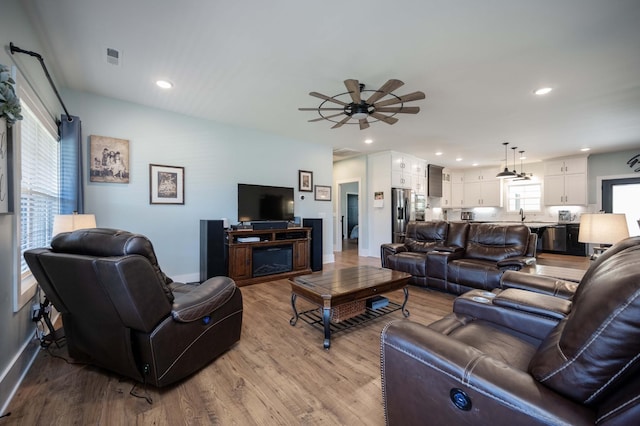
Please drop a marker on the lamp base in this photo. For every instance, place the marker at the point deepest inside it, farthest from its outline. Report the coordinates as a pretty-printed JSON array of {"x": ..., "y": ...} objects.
[{"x": 597, "y": 251}]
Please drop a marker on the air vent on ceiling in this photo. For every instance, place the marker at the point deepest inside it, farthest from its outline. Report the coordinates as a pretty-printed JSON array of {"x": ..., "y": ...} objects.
[
  {"x": 344, "y": 152},
  {"x": 113, "y": 56}
]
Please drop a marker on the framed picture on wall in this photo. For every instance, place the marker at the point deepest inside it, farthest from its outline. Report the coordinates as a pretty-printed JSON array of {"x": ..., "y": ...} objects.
[
  {"x": 109, "y": 159},
  {"x": 166, "y": 184},
  {"x": 305, "y": 181},
  {"x": 323, "y": 193}
]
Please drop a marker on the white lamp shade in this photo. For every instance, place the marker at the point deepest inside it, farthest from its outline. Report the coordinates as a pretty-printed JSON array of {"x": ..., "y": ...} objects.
[
  {"x": 603, "y": 228},
  {"x": 72, "y": 222}
]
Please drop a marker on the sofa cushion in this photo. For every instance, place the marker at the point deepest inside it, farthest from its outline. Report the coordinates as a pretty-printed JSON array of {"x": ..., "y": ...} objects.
[
  {"x": 496, "y": 242},
  {"x": 598, "y": 344},
  {"x": 474, "y": 273},
  {"x": 409, "y": 262},
  {"x": 423, "y": 237}
]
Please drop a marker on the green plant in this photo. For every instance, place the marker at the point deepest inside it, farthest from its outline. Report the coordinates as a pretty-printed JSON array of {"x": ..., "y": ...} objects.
[{"x": 9, "y": 102}]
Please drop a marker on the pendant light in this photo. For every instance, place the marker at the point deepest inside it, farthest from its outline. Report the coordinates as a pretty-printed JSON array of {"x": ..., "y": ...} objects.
[
  {"x": 515, "y": 172},
  {"x": 505, "y": 173},
  {"x": 522, "y": 175}
]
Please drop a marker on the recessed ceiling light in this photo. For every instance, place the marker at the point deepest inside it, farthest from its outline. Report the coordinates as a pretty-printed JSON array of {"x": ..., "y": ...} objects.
[
  {"x": 542, "y": 91},
  {"x": 439, "y": 153},
  {"x": 368, "y": 141},
  {"x": 164, "y": 84},
  {"x": 475, "y": 164},
  {"x": 458, "y": 159},
  {"x": 585, "y": 149}
]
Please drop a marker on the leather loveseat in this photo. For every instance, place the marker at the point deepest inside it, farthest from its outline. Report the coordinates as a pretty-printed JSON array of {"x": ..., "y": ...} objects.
[
  {"x": 459, "y": 256},
  {"x": 122, "y": 313},
  {"x": 481, "y": 367}
]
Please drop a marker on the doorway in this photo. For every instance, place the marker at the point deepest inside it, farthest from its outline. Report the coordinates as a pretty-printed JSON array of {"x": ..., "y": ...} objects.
[
  {"x": 352, "y": 228},
  {"x": 621, "y": 196}
]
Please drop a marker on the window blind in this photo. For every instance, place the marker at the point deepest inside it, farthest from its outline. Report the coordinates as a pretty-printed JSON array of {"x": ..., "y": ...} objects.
[{"x": 39, "y": 189}]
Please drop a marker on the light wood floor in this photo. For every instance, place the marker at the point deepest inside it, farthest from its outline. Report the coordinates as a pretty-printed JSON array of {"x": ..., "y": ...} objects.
[{"x": 276, "y": 374}]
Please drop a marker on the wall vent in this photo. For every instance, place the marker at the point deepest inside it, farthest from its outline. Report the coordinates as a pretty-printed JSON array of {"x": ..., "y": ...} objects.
[{"x": 114, "y": 56}]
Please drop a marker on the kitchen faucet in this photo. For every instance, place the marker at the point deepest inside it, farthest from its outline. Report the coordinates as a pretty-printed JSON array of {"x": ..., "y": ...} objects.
[{"x": 522, "y": 216}]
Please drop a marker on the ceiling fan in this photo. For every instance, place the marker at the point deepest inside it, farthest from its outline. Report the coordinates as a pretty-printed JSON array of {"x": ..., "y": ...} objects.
[{"x": 376, "y": 107}]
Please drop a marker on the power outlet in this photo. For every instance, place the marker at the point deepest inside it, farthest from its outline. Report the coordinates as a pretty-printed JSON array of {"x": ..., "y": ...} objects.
[{"x": 35, "y": 312}]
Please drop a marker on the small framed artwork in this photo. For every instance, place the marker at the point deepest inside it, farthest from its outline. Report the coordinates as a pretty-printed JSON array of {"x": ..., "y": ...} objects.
[
  {"x": 305, "y": 181},
  {"x": 323, "y": 193},
  {"x": 109, "y": 159},
  {"x": 166, "y": 184}
]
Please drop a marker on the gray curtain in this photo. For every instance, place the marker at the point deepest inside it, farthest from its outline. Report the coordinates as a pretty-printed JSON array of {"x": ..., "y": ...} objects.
[{"x": 71, "y": 189}]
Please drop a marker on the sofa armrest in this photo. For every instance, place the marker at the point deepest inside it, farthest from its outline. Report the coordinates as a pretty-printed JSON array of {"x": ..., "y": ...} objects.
[
  {"x": 482, "y": 305},
  {"x": 422, "y": 368},
  {"x": 515, "y": 263},
  {"x": 202, "y": 299},
  {"x": 539, "y": 284},
  {"x": 449, "y": 249},
  {"x": 389, "y": 249},
  {"x": 534, "y": 303}
]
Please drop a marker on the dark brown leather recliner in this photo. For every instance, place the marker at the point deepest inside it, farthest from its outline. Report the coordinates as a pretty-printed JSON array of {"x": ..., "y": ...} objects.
[
  {"x": 473, "y": 369},
  {"x": 121, "y": 313}
]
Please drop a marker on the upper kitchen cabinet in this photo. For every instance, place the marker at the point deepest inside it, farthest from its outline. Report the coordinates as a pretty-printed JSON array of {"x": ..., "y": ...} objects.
[
  {"x": 565, "y": 182},
  {"x": 482, "y": 188},
  {"x": 408, "y": 171},
  {"x": 445, "y": 202}
]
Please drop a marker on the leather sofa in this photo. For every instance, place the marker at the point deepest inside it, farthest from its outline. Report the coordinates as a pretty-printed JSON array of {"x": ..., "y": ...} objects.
[
  {"x": 481, "y": 366},
  {"x": 459, "y": 256},
  {"x": 122, "y": 313}
]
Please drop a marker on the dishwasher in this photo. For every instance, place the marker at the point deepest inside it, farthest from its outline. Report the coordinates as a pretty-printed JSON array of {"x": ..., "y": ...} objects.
[{"x": 554, "y": 238}]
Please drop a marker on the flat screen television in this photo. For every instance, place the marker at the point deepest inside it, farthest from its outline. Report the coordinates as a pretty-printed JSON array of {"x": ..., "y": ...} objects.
[{"x": 260, "y": 202}]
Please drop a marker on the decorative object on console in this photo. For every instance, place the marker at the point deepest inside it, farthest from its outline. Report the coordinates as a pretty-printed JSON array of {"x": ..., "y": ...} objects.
[
  {"x": 602, "y": 228},
  {"x": 305, "y": 181},
  {"x": 322, "y": 193},
  {"x": 363, "y": 110},
  {"x": 109, "y": 159},
  {"x": 506, "y": 173},
  {"x": 166, "y": 184},
  {"x": 72, "y": 222}
]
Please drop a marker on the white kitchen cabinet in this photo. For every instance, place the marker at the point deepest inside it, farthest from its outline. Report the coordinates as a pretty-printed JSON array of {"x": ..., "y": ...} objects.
[
  {"x": 565, "y": 182},
  {"x": 482, "y": 188},
  {"x": 445, "y": 201},
  {"x": 457, "y": 189}
]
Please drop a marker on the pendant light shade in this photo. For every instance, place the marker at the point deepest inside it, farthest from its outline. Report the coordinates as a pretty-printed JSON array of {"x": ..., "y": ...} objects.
[{"x": 505, "y": 173}]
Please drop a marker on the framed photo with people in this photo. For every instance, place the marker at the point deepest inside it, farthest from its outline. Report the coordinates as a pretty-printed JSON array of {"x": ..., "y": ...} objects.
[
  {"x": 166, "y": 184},
  {"x": 109, "y": 159}
]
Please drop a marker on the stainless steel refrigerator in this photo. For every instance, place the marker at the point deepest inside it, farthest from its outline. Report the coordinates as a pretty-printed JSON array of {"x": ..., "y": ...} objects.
[{"x": 401, "y": 213}]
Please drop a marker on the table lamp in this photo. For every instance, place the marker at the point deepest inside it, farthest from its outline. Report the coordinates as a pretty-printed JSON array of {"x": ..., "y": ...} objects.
[
  {"x": 72, "y": 222},
  {"x": 602, "y": 228}
]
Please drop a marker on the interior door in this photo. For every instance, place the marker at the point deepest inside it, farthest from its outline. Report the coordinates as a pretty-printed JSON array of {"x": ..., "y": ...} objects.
[
  {"x": 621, "y": 196},
  {"x": 352, "y": 213}
]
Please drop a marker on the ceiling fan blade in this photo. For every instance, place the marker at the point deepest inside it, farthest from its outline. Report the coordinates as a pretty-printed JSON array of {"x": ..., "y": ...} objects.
[
  {"x": 386, "y": 88},
  {"x": 325, "y": 117},
  {"x": 327, "y": 98},
  {"x": 388, "y": 120},
  {"x": 344, "y": 120},
  {"x": 406, "y": 98},
  {"x": 402, "y": 109},
  {"x": 354, "y": 90},
  {"x": 364, "y": 124},
  {"x": 320, "y": 109}
]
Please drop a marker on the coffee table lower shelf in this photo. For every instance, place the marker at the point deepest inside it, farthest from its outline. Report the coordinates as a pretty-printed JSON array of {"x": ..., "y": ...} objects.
[{"x": 314, "y": 318}]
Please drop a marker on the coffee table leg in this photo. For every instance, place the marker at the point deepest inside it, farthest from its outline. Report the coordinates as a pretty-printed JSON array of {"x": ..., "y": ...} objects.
[
  {"x": 405, "y": 312},
  {"x": 326, "y": 320},
  {"x": 294, "y": 318}
]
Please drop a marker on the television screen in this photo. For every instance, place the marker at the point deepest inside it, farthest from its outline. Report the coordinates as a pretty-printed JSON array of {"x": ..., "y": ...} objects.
[{"x": 259, "y": 202}]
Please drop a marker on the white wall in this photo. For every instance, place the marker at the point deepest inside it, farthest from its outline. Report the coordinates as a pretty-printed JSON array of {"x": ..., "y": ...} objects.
[{"x": 216, "y": 158}]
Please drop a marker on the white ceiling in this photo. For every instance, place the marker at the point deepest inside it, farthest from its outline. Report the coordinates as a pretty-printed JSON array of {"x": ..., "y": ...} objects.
[{"x": 252, "y": 63}]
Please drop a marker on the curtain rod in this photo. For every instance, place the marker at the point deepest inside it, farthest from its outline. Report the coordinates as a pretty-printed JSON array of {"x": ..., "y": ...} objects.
[{"x": 13, "y": 48}]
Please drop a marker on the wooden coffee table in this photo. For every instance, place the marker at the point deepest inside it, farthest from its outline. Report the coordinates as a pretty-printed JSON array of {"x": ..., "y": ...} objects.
[{"x": 329, "y": 289}]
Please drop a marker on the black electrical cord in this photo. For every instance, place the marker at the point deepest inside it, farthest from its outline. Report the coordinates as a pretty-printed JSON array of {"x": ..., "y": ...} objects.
[{"x": 13, "y": 48}]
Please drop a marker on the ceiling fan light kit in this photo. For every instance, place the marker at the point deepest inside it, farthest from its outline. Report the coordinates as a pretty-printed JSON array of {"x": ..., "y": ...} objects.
[{"x": 374, "y": 108}]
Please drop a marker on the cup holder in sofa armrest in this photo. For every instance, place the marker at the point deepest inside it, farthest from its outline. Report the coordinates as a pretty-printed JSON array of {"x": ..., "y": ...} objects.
[
  {"x": 535, "y": 303},
  {"x": 481, "y": 304}
]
